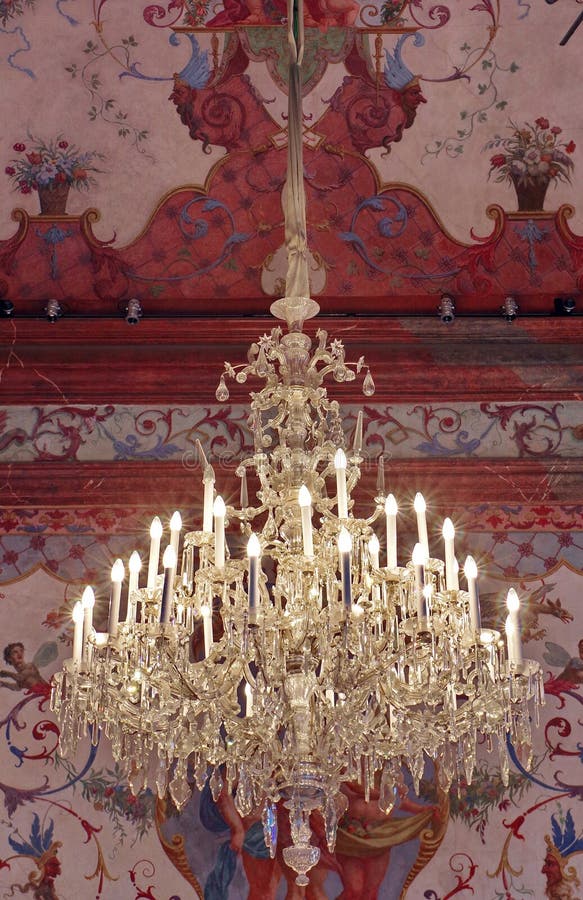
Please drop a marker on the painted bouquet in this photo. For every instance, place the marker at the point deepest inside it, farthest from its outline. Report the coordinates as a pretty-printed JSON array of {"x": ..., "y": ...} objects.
[
  {"x": 50, "y": 165},
  {"x": 9, "y": 9},
  {"x": 531, "y": 158}
]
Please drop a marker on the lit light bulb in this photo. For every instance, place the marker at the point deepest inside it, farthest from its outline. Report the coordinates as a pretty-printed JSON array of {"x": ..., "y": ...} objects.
[
  {"x": 118, "y": 571},
  {"x": 391, "y": 507},
  {"x": 169, "y": 558},
  {"x": 219, "y": 508},
  {"x": 88, "y": 598},
  {"x": 77, "y": 613},
  {"x": 340, "y": 459},
  {"x": 304, "y": 496},
  {"x": 512, "y": 601},
  {"x": 135, "y": 563},
  {"x": 470, "y": 568},
  {"x": 419, "y": 504},
  {"x": 344, "y": 541},
  {"x": 419, "y": 556},
  {"x": 253, "y": 546},
  {"x": 176, "y": 521},
  {"x": 448, "y": 531},
  {"x": 156, "y": 529}
]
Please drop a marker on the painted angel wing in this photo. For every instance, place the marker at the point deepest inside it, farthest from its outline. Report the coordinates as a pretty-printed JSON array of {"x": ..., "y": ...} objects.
[
  {"x": 556, "y": 655},
  {"x": 46, "y": 654}
]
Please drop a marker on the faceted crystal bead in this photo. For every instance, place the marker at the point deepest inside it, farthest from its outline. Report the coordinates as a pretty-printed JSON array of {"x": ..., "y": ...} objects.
[
  {"x": 368, "y": 385},
  {"x": 216, "y": 783},
  {"x": 222, "y": 391}
]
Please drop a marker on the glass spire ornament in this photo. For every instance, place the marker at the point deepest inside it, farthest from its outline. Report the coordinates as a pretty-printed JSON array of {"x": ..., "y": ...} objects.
[{"x": 322, "y": 659}]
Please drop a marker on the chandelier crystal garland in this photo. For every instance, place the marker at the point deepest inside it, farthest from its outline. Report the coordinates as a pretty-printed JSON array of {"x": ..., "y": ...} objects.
[{"x": 320, "y": 665}]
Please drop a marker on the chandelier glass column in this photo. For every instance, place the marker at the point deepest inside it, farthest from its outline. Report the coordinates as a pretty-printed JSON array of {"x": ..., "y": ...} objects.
[{"x": 321, "y": 665}]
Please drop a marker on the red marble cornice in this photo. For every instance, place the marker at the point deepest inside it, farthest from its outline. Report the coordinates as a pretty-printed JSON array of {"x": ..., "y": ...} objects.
[
  {"x": 179, "y": 360},
  {"x": 448, "y": 485}
]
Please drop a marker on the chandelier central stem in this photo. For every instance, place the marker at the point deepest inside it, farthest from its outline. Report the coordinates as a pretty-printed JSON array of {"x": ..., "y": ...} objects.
[{"x": 296, "y": 306}]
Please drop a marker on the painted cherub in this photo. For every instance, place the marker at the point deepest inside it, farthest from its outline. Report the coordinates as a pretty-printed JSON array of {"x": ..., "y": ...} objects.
[
  {"x": 26, "y": 676},
  {"x": 571, "y": 677}
]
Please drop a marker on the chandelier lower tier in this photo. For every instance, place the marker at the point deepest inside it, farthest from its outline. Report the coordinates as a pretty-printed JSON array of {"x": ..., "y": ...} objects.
[{"x": 320, "y": 666}]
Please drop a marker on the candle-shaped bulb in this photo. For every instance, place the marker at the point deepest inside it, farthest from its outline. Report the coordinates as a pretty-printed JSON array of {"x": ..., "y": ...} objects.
[
  {"x": 420, "y": 507},
  {"x": 305, "y": 501},
  {"x": 419, "y": 559},
  {"x": 373, "y": 549},
  {"x": 471, "y": 573},
  {"x": 135, "y": 563},
  {"x": 208, "y": 480},
  {"x": 77, "y": 613},
  {"x": 391, "y": 508},
  {"x": 342, "y": 498},
  {"x": 253, "y": 546},
  {"x": 117, "y": 576},
  {"x": 219, "y": 508},
  {"x": 448, "y": 531},
  {"x": 175, "y": 529},
  {"x": 470, "y": 568},
  {"x": 419, "y": 504},
  {"x": 156, "y": 529},
  {"x": 451, "y": 576},
  {"x": 344, "y": 548},
  {"x": 344, "y": 541},
  {"x": 304, "y": 497},
  {"x": 512, "y": 601},
  {"x": 169, "y": 558},
  {"x": 253, "y": 554},
  {"x": 88, "y": 598},
  {"x": 155, "y": 535},
  {"x": 169, "y": 565},
  {"x": 340, "y": 459},
  {"x": 78, "y": 616},
  {"x": 419, "y": 555},
  {"x": 118, "y": 571}
]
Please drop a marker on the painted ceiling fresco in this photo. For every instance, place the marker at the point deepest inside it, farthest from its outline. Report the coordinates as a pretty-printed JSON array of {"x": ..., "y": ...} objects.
[{"x": 440, "y": 151}]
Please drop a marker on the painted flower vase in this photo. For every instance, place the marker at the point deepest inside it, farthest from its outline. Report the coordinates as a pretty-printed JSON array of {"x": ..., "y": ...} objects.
[
  {"x": 531, "y": 195},
  {"x": 53, "y": 200}
]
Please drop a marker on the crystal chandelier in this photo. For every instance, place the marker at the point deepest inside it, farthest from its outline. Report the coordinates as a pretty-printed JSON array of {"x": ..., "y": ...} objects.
[{"x": 321, "y": 665}]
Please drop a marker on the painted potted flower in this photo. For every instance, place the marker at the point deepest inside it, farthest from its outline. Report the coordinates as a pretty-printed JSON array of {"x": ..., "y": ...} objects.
[
  {"x": 52, "y": 169},
  {"x": 531, "y": 158}
]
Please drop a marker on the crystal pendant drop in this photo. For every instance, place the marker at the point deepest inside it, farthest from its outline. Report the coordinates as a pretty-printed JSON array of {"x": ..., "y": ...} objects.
[
  {"x": 222, "y": 391},
  {"x": 331, "y": 823},
  {"x": 387, "y": 791},
  {"x": 162, "y": 778},
  {"x": 216, "y": 783},
  {"x": 244, "y": 794},
  {"x": 368, "y": 385},
  {"x": 180, "y": 790},
  {"x": 269, "y": 820},
  {"x": 200, "y": 774}
]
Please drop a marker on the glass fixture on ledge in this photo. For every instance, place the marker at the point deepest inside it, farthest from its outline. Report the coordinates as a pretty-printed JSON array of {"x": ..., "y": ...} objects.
[
  {"x": 321, "y": 665},
  {"x": 323, "y": 658}
]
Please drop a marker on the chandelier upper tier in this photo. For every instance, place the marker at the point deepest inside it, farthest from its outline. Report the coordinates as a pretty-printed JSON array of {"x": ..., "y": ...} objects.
[{"x": 326, "y": 659}]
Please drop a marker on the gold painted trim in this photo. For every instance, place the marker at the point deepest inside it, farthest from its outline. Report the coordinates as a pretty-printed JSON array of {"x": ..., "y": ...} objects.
[
  {"x": 174, "y": 850},
  {"x": 42, "y": 567}
]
